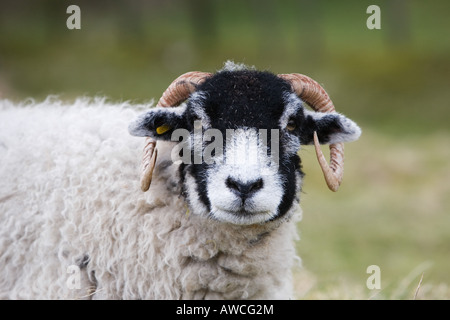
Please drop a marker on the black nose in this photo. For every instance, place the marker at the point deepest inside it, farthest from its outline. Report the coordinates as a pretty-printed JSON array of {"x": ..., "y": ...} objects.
[{"x": 244, "y": 190}]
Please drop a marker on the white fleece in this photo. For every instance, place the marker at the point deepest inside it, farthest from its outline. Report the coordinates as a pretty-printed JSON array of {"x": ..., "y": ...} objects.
[{"x": 70, "y": 196}]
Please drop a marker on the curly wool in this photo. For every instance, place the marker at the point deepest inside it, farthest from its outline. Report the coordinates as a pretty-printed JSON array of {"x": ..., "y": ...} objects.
[{"x": 70, "y": 196}]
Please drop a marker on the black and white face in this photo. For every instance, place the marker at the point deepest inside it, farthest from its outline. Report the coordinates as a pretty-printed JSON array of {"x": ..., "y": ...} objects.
[{"x": 240, "y": 134}]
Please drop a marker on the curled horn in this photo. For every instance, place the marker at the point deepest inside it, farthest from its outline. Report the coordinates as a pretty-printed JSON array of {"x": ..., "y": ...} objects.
[
  {"x": 313, "y": 94},
  {"x": 178, "y": 91}
]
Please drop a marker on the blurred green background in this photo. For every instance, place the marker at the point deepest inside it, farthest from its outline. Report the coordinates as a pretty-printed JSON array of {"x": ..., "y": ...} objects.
[{"x": 393, "y": 207}]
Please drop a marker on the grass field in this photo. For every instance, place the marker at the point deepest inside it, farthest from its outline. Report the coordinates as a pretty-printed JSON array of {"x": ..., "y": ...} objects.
[{"x": 391, "y": 211}]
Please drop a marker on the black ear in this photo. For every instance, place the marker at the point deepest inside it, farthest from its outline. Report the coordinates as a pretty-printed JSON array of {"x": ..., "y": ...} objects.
[
  {"x": 330, "y": 128},
  {"x": 158, "y": 123}
]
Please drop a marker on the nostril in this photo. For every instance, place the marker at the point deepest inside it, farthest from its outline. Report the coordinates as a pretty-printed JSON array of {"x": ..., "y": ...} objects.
[
  {"x": 233, "y": 184},
  {"x": 256, "y": 185},
  {"x": 244, "y": 189}
]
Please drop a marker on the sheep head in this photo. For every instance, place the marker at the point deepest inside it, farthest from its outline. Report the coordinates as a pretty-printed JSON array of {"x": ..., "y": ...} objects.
[{"x": 252, "y": 104}]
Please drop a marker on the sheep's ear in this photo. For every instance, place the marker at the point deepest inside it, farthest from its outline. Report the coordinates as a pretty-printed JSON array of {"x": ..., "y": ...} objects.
[
  {"x": 158, "y": 123},
  {"x": 330, "y": 128}
]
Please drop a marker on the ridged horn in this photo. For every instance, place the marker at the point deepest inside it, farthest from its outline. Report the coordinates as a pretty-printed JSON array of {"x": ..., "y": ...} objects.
[
  {"x": 178, "y": 91},
  {"x": 314, "y": 95}
]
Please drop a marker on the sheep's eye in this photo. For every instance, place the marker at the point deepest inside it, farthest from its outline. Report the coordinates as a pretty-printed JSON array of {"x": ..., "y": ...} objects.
[{"x": 291, "y": 125}]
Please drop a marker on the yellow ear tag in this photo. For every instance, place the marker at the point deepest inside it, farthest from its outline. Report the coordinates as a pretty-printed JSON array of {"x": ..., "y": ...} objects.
[{"x": 162, "y": 129}]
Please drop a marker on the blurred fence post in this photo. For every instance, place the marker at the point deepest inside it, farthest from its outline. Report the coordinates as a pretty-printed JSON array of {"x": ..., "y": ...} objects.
[{"x": 203, "y": 23}]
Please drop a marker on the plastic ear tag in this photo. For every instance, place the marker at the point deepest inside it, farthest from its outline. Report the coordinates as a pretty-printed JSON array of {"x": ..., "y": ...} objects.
[{"x": 162, "y": 129}]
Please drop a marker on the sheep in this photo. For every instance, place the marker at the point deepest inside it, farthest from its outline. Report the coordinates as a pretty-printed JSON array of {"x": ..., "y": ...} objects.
[{"x": 74, "y": 223}]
